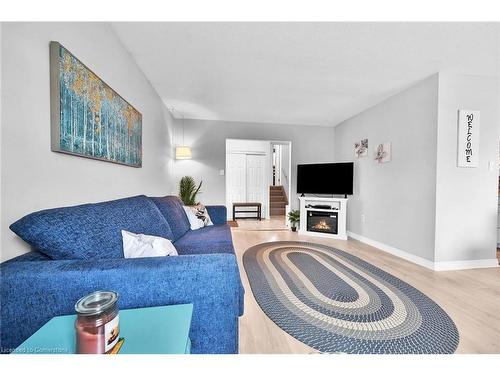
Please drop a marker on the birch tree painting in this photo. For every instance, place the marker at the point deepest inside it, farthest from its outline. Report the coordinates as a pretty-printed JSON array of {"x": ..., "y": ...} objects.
[{"x": 88, "y": 117}]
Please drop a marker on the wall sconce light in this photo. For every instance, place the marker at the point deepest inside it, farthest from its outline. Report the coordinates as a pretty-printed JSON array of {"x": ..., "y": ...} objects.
[{"x": 183, "y": 152}]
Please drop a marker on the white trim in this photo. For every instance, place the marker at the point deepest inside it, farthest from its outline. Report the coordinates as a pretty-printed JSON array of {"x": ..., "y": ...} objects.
[
  {"x": 394, "y": 251},
  {"x": 465, "y": 264},
  {"x": 248, "y": 152},
  {"x": 435, "y": 266}
]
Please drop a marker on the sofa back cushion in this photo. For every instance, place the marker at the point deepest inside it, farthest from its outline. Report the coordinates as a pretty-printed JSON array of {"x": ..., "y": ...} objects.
[
  {"x": 171, "y": 208},
  {"x": 91, "y": 231}
]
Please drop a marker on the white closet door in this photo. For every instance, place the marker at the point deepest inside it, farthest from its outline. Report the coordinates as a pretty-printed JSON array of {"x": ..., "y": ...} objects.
[
  {"x": 256, "y": 179},
  {"x": 236, "y": 175}
]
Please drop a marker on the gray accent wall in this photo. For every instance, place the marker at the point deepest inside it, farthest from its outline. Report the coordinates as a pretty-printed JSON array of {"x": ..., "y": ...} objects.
[
  {"x": 208, "y": 141},
  {"x": 33, "y": 177},
  {"x": 466, "y": 198},
  {"x": 420, "y": 202},
  {"x": 396, "y": 198}
]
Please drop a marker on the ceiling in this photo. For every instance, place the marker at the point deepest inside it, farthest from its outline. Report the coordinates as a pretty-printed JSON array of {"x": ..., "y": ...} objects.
[{"x": 300, "y": 73}]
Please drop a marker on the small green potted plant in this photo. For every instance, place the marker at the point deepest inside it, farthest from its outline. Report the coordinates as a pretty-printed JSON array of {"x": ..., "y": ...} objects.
[
  {"x": 294, "y": 217},
  {"x": 188, "y": 190}
]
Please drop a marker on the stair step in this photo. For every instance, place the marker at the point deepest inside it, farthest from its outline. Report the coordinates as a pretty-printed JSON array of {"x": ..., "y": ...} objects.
[
  {"x": 280, "y": 201},
  {"x": 277, "y": 196},
  {"x": 277, "y": 212},
  {"x": 277, "y": 205}
]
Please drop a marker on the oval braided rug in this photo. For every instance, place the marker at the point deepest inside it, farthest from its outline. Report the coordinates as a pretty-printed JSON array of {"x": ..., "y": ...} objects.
[{"x": 336, "y": 302}]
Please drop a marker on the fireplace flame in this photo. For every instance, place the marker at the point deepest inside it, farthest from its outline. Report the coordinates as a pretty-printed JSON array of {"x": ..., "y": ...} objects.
[{"x": 322, "y": 225}]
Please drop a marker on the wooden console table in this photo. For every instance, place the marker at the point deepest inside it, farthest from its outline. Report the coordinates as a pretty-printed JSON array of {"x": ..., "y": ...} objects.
[{"x": 257, "y": 211}]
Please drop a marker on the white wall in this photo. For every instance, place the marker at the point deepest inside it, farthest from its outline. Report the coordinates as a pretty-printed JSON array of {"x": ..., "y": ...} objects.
[
  {"x": 247, "y": 145},
  {"x": 207, "y": 139},
  {"x": 396, "y": 198},
  {"x": 466, "y": 198},
  {"x": 35, "y": 178}
]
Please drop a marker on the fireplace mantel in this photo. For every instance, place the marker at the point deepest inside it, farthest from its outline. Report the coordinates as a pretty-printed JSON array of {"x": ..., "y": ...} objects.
[{"x": 338, "y": 205}]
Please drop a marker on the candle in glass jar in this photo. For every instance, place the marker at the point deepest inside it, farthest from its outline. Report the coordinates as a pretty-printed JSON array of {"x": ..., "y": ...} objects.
[
  {"x": 97, "y": 324},
  {"x": 89, "y": 342}
]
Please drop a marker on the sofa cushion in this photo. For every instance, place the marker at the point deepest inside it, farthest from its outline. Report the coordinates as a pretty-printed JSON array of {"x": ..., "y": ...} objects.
[
  {"x": 172, "y": 211},
  {"x": 207, "y": 240},
  {"x": 90, "y": 231},
  {"x": 32, "y": 256}
]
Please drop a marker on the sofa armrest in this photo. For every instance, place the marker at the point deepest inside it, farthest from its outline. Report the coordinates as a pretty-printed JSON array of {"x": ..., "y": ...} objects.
[
  {"x": 34, "y": 292},
  {"x": 218, "y": 214}
]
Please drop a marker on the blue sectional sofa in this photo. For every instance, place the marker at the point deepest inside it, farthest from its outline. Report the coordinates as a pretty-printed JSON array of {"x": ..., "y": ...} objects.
[{"x": 78, "y": 250}]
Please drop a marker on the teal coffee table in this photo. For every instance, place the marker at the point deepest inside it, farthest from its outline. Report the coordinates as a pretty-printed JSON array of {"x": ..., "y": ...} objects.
[{"x": 150, "y": 330}]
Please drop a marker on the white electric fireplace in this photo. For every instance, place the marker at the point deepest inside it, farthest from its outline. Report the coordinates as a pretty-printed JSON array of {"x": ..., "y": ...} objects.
[{"x": 324, "y": 217}]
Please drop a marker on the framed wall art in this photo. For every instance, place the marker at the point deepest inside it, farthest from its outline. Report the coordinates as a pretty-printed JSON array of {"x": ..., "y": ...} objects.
[
  {"x": 468, "y": 139},
  {"x": 361, "y": 148},
  {"x": 383, "y": 153},
  {"x": 89, "y": 118}
]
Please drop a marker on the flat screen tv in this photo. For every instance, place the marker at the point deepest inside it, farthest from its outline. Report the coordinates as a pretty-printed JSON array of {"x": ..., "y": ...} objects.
[{"x": 328, "y": 178}]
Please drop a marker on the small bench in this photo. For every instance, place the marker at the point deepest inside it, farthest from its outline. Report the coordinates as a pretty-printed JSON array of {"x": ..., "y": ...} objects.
[{"x": 257, "y": 210}]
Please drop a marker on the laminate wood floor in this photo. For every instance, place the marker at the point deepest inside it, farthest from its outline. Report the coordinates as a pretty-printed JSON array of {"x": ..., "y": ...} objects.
[{"x": 471, "y": 297}]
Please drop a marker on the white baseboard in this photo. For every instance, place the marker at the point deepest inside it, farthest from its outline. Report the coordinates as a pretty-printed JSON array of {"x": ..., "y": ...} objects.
[
  {"x": 465, "y": 264},
  {"x": 435, "y": 266},
  {"x": 325, "y": 235},
  {"x": 394, "y": 251}
]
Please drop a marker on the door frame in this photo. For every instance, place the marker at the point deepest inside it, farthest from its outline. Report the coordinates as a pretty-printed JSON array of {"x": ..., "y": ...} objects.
[
  {"x": 289, "y": 173},
  {"x": 269, "y": 172}
]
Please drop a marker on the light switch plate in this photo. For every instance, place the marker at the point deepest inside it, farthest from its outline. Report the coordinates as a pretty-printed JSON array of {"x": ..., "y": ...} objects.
[{"x": 221, "y": 172}]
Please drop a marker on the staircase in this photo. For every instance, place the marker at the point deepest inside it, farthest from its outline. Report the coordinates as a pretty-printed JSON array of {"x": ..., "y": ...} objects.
[{"x": 278, "y": 200}]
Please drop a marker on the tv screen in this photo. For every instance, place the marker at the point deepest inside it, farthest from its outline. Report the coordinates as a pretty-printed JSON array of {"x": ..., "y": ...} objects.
[{"x": 328, "y": 178}]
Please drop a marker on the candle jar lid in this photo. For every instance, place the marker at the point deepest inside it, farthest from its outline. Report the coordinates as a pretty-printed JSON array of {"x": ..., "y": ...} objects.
[{"x": 96, "y": 303}]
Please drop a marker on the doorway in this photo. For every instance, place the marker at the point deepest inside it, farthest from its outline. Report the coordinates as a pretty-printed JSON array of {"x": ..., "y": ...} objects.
[
  {"x": 247, "y": 174},
  {"x": 280, "y": 189},
  {"x": 257, "y": 171}
]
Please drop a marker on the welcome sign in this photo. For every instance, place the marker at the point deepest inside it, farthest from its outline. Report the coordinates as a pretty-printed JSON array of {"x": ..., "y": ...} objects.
[{"x": 468, "y": 138}]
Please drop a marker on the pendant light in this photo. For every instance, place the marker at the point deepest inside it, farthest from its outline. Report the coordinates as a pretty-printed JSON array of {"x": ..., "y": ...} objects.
[{"x": 183, "y": 152}]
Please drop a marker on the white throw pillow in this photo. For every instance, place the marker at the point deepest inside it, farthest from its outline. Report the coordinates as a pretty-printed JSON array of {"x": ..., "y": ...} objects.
[
  {"x": 194, "y": 222},
  {"x": 143, "y": 246}
]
